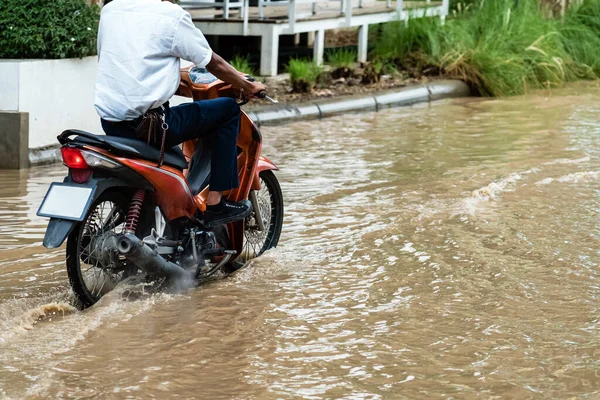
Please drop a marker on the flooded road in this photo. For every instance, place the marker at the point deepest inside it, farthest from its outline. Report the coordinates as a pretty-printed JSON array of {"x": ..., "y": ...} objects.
[{"x": 444, "y": 251}]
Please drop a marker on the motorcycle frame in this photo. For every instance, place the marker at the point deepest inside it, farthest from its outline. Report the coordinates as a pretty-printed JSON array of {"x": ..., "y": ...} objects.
[{"x": 171, "y": 190}]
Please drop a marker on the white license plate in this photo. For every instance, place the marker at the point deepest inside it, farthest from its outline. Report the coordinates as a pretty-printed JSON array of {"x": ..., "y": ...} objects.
[{"x": 66, "y": 202}]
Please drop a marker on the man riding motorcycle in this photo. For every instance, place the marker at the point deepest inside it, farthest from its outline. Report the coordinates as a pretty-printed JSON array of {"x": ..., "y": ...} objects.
[{"x": 140, "y": 44}]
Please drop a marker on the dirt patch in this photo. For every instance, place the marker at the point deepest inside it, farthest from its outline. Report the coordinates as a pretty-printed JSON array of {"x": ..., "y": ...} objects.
[
  {"x": 280, "y": 88},
  {"x": 341, "y": 37},
  {"x": 362, "y": 78}
]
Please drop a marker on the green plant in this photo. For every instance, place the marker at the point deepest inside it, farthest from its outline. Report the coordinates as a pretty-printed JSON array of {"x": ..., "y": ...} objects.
[
  {"x": 342, "y": 58},
  {"x": 461, "y": 6},
  {"x": 399, "y": 39},
  {"x": 378, "y": 66},
  {"x": 500, "y": 47},
  {"x": 303, "y": 74},
  {"x": 47, "y": 28},
  {"x": 373, "y": 71},
  {"x": 581, "y": 37},
  {"x": 503, "y": 49},
  {"x": 242, "y": 64}
]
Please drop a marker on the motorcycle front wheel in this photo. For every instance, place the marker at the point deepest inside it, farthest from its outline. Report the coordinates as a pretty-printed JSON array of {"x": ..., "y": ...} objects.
[
  {"x": 93, "y": 267},
  {"x": 256, "y": 241}
]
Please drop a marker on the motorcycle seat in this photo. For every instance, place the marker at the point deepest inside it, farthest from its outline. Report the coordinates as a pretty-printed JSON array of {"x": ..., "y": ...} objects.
[{"x": 127, "y": 147}]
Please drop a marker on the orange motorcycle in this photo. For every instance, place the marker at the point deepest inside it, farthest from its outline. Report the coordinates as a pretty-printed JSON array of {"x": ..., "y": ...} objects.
[{"x": 125, "y": 215}]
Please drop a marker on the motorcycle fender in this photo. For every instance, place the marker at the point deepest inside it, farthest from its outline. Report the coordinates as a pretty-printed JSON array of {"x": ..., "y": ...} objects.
[
  {"x": 262, "y": 165},
  {"x": 58, "y": 228},
  {"x": 57, "y": 231}
]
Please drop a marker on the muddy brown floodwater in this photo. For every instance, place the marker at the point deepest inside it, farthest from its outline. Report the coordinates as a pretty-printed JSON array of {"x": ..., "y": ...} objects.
[{"x": 444, "y": 251}]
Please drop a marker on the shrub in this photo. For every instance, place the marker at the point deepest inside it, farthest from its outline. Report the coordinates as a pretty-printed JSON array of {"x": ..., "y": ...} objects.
[
  {"x": 503, "y": 50},
  {"x": 47, "y": 28},
  {"x": 303, "y": 74},
  {"x": 501, "y": 47},
  {"x": 581, "y": 37},
  {"x": 242, "y": 64}
]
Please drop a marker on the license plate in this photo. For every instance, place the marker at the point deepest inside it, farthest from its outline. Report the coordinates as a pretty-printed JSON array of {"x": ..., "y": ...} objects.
[{"x": 66, "y": 201}]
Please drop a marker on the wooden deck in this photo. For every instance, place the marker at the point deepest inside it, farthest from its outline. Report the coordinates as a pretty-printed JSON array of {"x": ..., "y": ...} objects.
[
  {"x": 278, "y": 14},
  {"x": 305, "y": 16}
]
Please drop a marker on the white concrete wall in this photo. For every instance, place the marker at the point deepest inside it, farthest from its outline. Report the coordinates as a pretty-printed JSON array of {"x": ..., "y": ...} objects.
[
  {"x": 57, "y": 94},
  {"x": 9, "y": 85}
]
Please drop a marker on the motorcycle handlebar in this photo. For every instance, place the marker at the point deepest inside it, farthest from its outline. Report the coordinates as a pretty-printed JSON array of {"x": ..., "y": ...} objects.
[
  {"x": 263, "y": 95},
  {"x": 260, "y": 95}
]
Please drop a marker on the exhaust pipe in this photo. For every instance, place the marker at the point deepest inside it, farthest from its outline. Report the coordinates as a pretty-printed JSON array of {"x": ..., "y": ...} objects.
[{"x": 149, "y": 260}]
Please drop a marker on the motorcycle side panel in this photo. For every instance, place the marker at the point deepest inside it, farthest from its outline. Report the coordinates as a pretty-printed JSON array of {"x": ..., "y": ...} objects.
[
  {"x": 57, "y": 231},
  {"x": 171, "y": 190},
  {"x": 169, "y": 185},
  {"x": 198, "y": 173}
]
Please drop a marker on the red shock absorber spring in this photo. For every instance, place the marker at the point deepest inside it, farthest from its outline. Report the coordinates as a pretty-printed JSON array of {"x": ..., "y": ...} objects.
[{"x": 135, "y": 209}]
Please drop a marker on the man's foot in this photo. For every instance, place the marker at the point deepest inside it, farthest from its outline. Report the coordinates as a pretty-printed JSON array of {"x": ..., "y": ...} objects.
[{"x": 226, "y": 212}]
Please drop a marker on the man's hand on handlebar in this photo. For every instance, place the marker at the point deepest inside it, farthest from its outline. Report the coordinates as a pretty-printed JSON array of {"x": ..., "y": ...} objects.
[{"x": 253, "y": 89}]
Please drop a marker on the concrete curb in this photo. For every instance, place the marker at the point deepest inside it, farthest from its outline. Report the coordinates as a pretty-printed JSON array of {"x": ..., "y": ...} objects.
[
  {"x": 407, "y": 96},
  {"x": 274, "y": 115},
  {"x": 44, "y": 155}
]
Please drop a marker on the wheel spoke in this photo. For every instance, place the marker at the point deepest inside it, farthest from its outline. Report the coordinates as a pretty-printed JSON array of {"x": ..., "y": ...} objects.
[
  {"x": 106, "y": 276},
  {"x": 96, "y": 277},
  {"x": 95, "y": 272},
  {"x": 108, "y": 221},
  {"x": 255, "y": 241}
]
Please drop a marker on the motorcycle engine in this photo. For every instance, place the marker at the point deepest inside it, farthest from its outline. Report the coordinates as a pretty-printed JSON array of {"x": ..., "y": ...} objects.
[{"x": 196, "y": 243}]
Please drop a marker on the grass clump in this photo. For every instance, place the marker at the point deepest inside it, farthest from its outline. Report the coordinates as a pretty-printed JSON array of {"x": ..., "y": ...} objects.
[
  {"x": 461, "y": 6},
  {"x": 342, "y": 58},
  {"x": 401, "y": 40},
  {"x": 343, "y": 61},
  {"x": 581, "y": 37},
  {"x": 500, "y": 47},
  {"x": 503, "y": 49},
  {"x": 373, "y": 71},
  {"x": 303, "y": 74},
  {"x": 242, "y": 64}
]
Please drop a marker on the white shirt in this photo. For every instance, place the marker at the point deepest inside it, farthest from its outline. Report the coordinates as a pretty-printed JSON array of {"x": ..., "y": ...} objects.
[{"x": 140, "y": 43}]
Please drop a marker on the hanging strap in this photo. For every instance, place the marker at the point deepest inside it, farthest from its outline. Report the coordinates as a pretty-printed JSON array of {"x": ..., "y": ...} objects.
[
  {"x": 153, "y": 130},
  {"x": 164, "y": 127}
]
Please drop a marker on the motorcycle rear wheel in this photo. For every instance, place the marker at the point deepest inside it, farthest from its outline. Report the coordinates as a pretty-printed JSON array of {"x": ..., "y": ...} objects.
[{"x": 90, "y": 276}]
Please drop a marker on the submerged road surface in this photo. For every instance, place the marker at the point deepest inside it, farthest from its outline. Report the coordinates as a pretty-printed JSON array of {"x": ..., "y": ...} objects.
[{"x": 448, "y": 251}]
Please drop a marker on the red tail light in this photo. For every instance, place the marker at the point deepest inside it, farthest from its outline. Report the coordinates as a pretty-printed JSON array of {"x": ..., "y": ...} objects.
[{"x": 73, "y": 158}]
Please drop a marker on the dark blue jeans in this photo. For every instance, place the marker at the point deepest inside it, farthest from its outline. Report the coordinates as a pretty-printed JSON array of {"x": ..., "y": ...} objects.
[{"x": 216, "y": 119}]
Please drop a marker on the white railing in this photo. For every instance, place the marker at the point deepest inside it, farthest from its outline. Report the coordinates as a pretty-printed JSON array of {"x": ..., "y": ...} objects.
[
  {"x": 346, "y": 7},
  {"x": 226, "y": 5}
]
